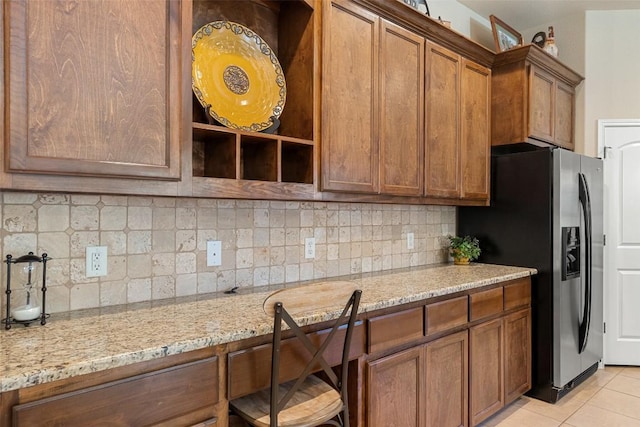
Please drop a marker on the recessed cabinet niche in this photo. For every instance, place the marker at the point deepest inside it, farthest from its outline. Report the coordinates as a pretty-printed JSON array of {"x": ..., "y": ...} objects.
[{"x": 225, "y": 160}]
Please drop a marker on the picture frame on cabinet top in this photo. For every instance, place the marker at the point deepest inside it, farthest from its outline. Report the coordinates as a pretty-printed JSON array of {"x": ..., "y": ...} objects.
[
  {"x": 504, "y": 36},
  {"x": 420, "y": 5}
]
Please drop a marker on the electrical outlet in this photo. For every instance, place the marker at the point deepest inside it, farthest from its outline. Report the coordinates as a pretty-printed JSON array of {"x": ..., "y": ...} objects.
[
  {"x": 214, "y": 253},
  {"x": 410, "y": 241},
  {"x": 309, "y": 247},
  {"x": 96, "y": 260}
]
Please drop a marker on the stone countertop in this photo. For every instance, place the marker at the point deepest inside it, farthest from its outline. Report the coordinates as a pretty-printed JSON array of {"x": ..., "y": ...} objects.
[{"x": 77, "y": 343}]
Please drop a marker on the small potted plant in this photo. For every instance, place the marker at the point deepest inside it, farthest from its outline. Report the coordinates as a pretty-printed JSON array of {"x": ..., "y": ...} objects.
[{"x": 463, "y": 249}]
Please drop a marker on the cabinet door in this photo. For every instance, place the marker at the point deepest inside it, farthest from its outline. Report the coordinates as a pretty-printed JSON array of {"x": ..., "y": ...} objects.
[
  {"x": 401, "y": 110},
  {"x": 395, "y": 390},
  {"x": 446, "y": 368},
  {"x": 486, "y": 391},
  {"x": 475, "y": 138},
  {"x": 517, "y": 354},
  {"x": 565, "y": 115},
  {"x": 94, "y": 87},
  {"x": 443, "y": 123},
  {"x": 350, "y": 155},
  {"x": 541, "y": 105},
  {"x": 166, "y": 395}
]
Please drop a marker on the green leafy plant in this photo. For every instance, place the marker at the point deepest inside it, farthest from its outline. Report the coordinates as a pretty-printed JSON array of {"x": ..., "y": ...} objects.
[{"x": 464, "y": 247}]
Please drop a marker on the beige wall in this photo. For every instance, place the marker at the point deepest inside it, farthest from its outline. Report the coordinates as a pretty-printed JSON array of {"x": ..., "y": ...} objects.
[
  {"x": 463, "y": 20},
  {"x": 612, "y": 89},
  {"x": 602, "y": 46},
  {"x": 156, "y": 246}
]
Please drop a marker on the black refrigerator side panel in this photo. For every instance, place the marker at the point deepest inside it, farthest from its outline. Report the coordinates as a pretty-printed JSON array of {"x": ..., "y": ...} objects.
[{"x": 517, "y": 230}]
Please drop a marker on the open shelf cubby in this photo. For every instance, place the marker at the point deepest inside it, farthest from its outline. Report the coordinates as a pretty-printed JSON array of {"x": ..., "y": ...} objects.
[{"x": 287, "y": 155}]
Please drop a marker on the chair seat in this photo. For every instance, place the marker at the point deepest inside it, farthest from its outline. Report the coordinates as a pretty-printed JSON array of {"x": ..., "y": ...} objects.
[{"x": 313, "y": 404}]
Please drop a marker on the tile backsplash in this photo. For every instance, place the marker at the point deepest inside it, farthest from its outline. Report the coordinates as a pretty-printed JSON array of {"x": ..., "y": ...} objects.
[{"x": 157, "y": 245}]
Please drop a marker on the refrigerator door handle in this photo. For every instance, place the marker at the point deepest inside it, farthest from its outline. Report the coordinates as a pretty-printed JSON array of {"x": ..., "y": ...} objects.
[{"x": 585, "y": 203}]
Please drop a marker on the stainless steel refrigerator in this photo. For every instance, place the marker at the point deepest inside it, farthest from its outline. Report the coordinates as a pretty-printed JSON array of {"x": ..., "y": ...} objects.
[{"x": 546, "y": 212}]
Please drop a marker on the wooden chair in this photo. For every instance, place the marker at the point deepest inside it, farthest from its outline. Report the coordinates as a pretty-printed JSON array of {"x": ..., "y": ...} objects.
[{"x": 308, "y": 400}]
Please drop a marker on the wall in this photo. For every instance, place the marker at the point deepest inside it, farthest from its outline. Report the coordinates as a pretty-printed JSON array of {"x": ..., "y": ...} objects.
[
  {"x": 600, "y": 45},
  {"x": 157, "y": 246},
  {"x": 463, "y": 20},
  {"x": 570, "y": 34},
  {"x": 612, "y": 69}
]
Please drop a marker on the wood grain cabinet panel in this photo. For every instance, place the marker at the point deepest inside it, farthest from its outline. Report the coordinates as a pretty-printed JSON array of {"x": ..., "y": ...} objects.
[
  {"x": 373, "y": 101},
  {"x": 446, "y": 376},
  {"x": 350, "y": 151},
  {"x": 541, "y": 104},
  {"x": 517, "y": 294},
  {"x": 517, "y": 360},
  {"x": 145, "y": 399},
  {"x": 395, "y": 329},
  {"x": 94, "y": 88},
  {"x": 475, "y": 142},
  {"x": 565, "y": 115},
  {"x": 444, "y": 315},
  {"x": 395, "y": 390},
  {"x": 442, "y": 151},
  {"x": 401, "y": 110},
  {"x": 533, "y": 98},
  {"x": 486, "y": 384},
  {"x": 457, "y": 147},
  {"x": 485, "y": 303}
]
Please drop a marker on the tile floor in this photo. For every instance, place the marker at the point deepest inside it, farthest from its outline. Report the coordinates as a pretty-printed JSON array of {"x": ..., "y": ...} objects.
[{"x": 609, "y": 398}]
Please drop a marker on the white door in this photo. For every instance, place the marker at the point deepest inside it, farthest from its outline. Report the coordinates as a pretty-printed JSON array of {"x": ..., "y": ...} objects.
[{"x": 619, "y": 144}]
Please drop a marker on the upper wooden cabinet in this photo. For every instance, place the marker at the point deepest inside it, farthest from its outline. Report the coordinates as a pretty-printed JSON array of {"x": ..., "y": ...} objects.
[
  {"x": 458, "y": 126},
  {"x": 533, "y": 98},
  {"x": 93, "y": 89},
  {"x": 372, "y": 106},
  {"x": 401, "y": 110},
  {"x": 98, "y": 98},
  {"x": 383, "y": 131},
  {"x": 350, "y": 98}
]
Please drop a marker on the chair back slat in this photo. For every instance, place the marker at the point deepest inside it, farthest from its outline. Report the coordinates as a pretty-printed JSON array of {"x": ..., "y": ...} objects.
[
  {"x": 283, "y": 305},
  {"x": 311, "y": 298}
]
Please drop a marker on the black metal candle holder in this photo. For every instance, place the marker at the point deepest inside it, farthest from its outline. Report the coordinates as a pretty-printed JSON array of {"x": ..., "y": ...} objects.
[{"x": 30, "y": 258}]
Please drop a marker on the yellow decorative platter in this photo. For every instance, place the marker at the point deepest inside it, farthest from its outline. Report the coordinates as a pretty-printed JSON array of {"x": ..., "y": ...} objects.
[{"x": 237, "y": 75}]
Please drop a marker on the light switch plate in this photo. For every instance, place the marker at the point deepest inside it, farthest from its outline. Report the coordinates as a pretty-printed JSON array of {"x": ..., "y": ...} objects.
[{"x": 410, "y": 241}]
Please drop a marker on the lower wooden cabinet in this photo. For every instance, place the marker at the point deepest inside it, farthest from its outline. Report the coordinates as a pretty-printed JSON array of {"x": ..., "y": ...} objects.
[
  {"x": 479, "y": 361},
  {"x": 179, "y": 395},
  {"x": 450, "y": 362},
  {"x": 517, "y": 350},
  {"x": 395, "y": 392},
  {"x": 141, "y": 400},
  {"x": 424, "y": 385},
  {"x": 486, "y": 375},
  {"x": 446, "y": 377},
  {"x": 500, "y": 363}
]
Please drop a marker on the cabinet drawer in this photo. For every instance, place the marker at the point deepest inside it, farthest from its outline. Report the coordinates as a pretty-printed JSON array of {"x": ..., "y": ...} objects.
[
  {"x": 145, "y": 399},
  {"x": 444, "y": 315},
  {"x": 250, "y": 369},
  {"x": 484, "y": 304},
  {"x": 517, "y": 294},
  {"x": 395, "y": 329}
]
